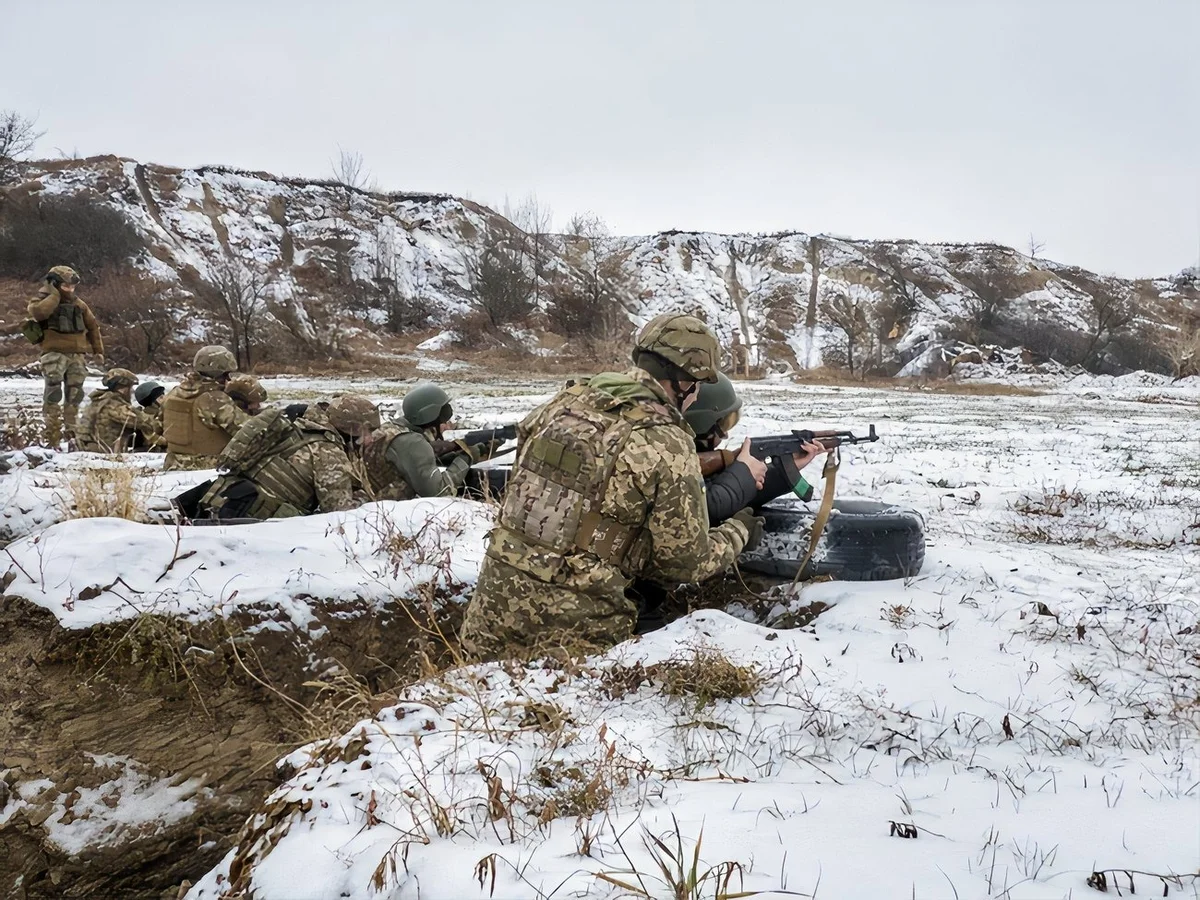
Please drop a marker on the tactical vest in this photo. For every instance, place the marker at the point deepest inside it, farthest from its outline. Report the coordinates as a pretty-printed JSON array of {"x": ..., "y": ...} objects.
[
  {"x": 67, "y": 318},
  {"x": 182, "y": 428},
  {"x": 386, "y": 482},
  {"x": 280, "y": 481},
  {"x": 553, "y": 503}
]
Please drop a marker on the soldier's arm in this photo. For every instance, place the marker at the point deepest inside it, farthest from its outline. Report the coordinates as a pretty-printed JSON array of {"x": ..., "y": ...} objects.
[
  {"x": 216, "y": 410},
  {"x": 93, "y": 329},
  {"x": 413, "y": 457},
  {"x": 684, "y": 548},
  {"x": 332, "y": 481},
  {"x": 40, "y": 308}
]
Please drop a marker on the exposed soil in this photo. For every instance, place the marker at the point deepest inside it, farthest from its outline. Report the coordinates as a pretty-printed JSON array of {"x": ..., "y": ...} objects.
[{"x": 218, "y": 702}]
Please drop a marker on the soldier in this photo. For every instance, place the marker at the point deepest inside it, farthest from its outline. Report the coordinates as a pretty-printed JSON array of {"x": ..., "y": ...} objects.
[
  {"x": 739, "y": 480},
  {"x": 280, "y": 468},
  {"x": 199, "y": 418},
  {"x": 248, "y": 393},
  {"x": 109, "y": 423},
  {"x": 400, "y": 457},
  {"x": 149, "y": 396},
  {"x": 606, "y": 488},
  {"x": 69, "y": 331}
]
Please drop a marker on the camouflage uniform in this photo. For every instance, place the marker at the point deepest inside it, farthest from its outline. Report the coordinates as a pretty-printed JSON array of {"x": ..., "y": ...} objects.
[
  {"x": 606, "y": 488},
  {"x": 110, "y": 423},
  {"x": 401, "y": 464},
  {"x": 70, "y": 331},
  {"x": 247, "y": 392},
  {"x": 307, "y": 472},
  {"x": 199, "y": 418}
]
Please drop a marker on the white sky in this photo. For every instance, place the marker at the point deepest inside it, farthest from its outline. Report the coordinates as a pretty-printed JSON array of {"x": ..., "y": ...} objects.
[{"x": 1076, "y": 120}]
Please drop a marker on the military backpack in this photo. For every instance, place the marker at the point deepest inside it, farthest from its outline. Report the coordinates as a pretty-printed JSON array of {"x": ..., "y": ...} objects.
[{"x": 254, "y": 441}]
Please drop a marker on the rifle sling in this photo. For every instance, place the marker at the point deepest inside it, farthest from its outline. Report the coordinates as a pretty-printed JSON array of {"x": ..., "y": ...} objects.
[{"x": 831, "y": 466}]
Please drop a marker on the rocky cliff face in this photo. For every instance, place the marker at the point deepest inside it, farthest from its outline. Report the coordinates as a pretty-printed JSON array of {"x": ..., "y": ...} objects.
[{"x": 792, "y": 300}]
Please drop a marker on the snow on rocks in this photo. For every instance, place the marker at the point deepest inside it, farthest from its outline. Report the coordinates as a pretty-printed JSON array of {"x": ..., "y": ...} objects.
[{"x": 89, "y": 571}]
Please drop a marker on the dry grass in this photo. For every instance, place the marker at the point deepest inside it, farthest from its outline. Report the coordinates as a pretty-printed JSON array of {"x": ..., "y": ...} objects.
[
  {"x": 112, "y": 492},
  {"x": 22, "y": 428},
  {"x": 703, "y": 674}
]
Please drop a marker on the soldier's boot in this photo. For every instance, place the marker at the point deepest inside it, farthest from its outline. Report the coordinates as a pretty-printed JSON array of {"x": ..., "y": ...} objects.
[
  {"x": 70, "y": 419},
  {"x": 52, "y": 424}
]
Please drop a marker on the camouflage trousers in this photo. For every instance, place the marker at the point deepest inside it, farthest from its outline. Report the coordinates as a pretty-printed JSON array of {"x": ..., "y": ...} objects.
[
  {"x": 61, "y": 370},
  {"x": 512, "y": 615}
]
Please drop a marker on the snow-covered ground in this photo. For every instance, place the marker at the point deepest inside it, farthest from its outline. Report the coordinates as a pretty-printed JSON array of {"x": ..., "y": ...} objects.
[{"x": 1028, "y": 707}]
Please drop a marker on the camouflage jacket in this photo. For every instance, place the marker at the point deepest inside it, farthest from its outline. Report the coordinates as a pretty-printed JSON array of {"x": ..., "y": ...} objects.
[
  {"x": 109, "y": 423},
  {"x": 69, "y": 324},
  {"x": 401, "y": 464},
  {"x": 566, "y": 548},
  {"x": 309, "y": 472},
  {"x": 198, "y": 420}
]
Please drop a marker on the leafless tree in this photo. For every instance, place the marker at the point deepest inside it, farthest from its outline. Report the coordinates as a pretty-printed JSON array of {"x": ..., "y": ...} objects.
[
  {"x": 849, "y": 316},
  {"x": 1035, "y": 246},
  {"x": 1114, "y": 309},
  {"x": 535, "y": 219},
  {"x": 141, "y": 315},
  {"x": 589, "y": 300},
  {"x": 238, "y": 295},
  {"x": 406, "y": 304},
  {"x": 991, "y": 289},
  {"x": 501, "y": 285},
  {"x": 18, "y": 135},
  {"x": 1181, "y": 343},
  {"x": 349, "y": 170}
]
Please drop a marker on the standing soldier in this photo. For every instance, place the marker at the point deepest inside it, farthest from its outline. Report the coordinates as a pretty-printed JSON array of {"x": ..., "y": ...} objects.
[
  {"x": 199, "y": 418},
  {"x": 248, "y": 393},
  {"x": 606, "y": 488},
  {"x": 110, "y": 423},
  {"x": 278, "y": 468},
  {"x": 400, "y": 459},
  {"x": 68, "y": 332}
]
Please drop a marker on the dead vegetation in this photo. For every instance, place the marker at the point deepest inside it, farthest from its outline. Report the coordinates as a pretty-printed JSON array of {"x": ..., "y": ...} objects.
[{"x": 115, "y": 491}]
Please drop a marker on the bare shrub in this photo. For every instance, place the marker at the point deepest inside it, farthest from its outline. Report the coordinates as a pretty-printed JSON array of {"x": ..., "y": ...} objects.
[
  {"x": 849, "y": 316},
  {"x": 78, "y": 230},
  {"x": 18, "y": 135},
  {"x": 22, "y": 428},
  {"x": 501, "y": 285},
  {"x": 589, "y": 300},
  {"x": 140, "y": 317}
]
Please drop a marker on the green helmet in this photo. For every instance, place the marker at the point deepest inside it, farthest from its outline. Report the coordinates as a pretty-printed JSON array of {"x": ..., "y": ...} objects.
[
  {"x": 214, "y": 361},
  {"x": 353, "y": 415},
  {"x": 119, "y": 378},
  {"x": 60, "y": 274},
  {"x": 425, "y": 405},
  {"x": 148, "y": 391},
  {"x": 682, "y": 341},
  {"x": 714, "y": 402}
]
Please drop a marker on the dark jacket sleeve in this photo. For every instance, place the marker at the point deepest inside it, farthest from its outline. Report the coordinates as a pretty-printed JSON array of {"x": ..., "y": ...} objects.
[
  {"x": 728, "y": 491},
  {"x": 782, "y": 478}
]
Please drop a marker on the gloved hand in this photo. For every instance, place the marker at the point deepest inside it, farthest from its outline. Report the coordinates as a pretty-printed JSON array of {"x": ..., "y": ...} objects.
[
  {"x": 754, "y": 525},
  {"x": 485, "y": 450}
]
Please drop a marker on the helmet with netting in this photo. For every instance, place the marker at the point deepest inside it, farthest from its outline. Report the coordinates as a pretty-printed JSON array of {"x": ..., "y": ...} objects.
[
  {"x": 678, "y": 346},
  {"x": 214, "y": 361},
  {"x": 353, "y": 415},
  {"x": 119, "y": 378}
]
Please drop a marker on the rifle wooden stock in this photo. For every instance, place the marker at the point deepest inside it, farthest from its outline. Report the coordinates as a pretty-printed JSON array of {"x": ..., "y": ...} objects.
[{"x": 714, "y": 461}]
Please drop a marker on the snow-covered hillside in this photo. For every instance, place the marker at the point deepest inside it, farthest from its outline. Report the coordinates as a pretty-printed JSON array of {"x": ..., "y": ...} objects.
[{"x": 770, "y": 293}]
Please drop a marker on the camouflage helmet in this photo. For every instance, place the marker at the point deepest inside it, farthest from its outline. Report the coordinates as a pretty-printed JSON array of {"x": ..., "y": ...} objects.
[
  {"x": 683, "y": 341},
  {"x": 425, "y": 405},
  {"x": 353, "y": 415},
  {"x": 119, "y": 378},
  {"x": 214, "y": 361},
  {"x": 59, "y": 274},
  {"x": 714, "y": 402},
  {"x": 246, "y": 388},
  {"x": 147, "y": 392}
]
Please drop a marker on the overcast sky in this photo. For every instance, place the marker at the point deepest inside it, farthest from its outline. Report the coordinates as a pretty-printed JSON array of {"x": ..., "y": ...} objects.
[{"x": 1075, "y": 120}]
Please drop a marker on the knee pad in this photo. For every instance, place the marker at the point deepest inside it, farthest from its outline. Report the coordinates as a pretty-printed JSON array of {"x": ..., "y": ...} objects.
[{"x": 53, "y": 394}]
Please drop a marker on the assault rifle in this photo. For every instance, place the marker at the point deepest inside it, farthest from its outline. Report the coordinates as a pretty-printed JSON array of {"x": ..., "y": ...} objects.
[
  {"x": 773, "y": 446},
  {"x": 444, "y": 449}
]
